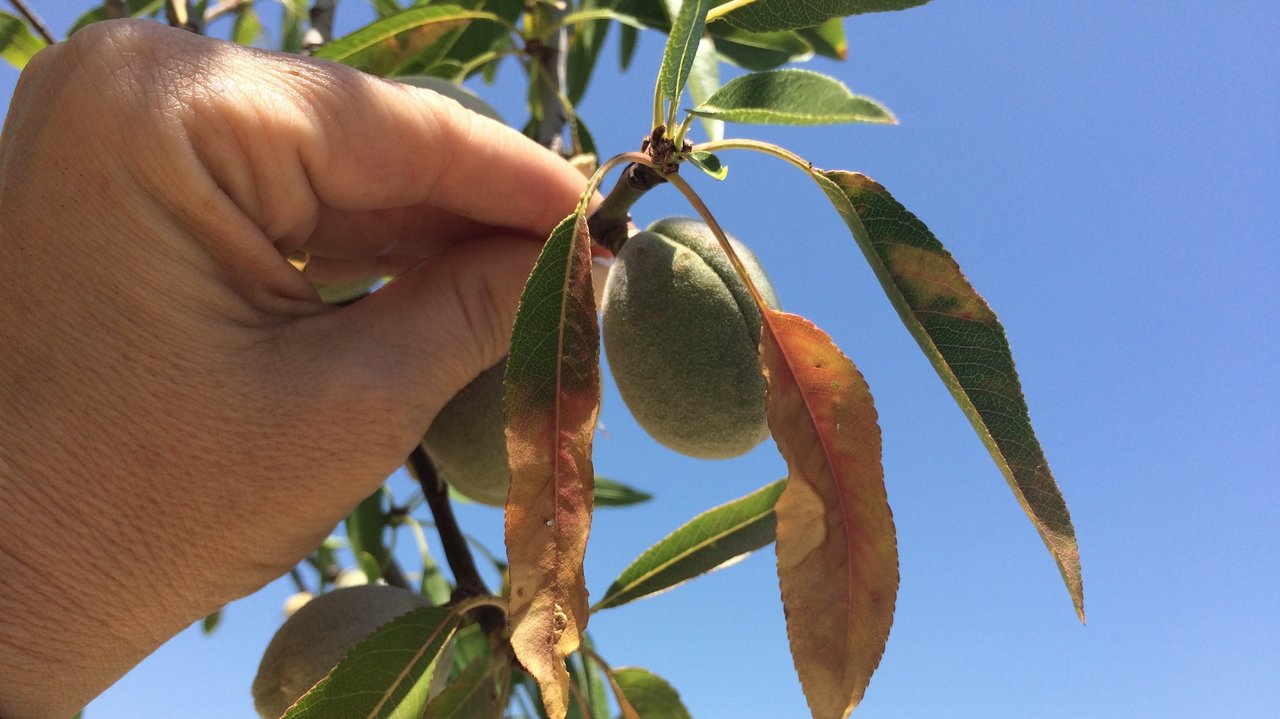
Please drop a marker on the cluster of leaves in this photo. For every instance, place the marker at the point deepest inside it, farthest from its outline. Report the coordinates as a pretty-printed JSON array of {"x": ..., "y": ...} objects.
[{"x": 834, "y": 533}]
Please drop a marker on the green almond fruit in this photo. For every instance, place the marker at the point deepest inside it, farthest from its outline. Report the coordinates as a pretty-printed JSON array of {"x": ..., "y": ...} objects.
[
  {"x": 320, "y": 634},
  {"x": 467, "y": 440},
  {"x": 681, "y": 333}
]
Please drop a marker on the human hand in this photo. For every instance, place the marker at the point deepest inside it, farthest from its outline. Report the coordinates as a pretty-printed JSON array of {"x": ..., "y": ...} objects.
[{"x": 181, "y": 418}]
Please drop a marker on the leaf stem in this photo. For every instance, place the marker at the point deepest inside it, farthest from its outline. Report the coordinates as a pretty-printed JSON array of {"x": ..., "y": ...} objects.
[
  {"x": 720, "y": 11},
  {"x": 33, "y": 20},
  {"x": 623, "y": 704},
  {"x": 767, "y": 148},
  {"x": 582, "y": 16},
  {"x": 705, "y": 213}
]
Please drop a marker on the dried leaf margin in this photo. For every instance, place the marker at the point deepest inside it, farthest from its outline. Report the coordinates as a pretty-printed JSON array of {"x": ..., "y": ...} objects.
[
  {"x": 836, "y": 546},
  {"x": 966, "y": 344},
  {"x": 552, "y": 400}
]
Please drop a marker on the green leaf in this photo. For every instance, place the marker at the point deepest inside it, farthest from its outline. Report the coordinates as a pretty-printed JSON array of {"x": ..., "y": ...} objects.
[
  {"x": 433, "y": 584},
  {"x": 473, "y": 694},
  {"x": 827, "y": 39},
  {"x": 649, "y": 694},
  {"x": 593, "y": 682},
  {"x": 386, "y": 8},
  {"x": 759, "y": 50},
  {"x": 704, "y": 543},
  {"x": 704, "y": 81},
  {"x": 627, "y": 37},
  {"x": 369, "y": 565},
  {"x": 479, "y": 39},
  {"x": 616, "y": 494},
  {"x": 587, "y": 678},
  {"x": 211, "y": 622},
  {"x": 440, "y": 17},
  {"x": 583, "y": 142},
  {"x": 682, "y": 45},
  {"x": 584, "y": 50},
  {"x": 654, "y": 14},
  {"x": 247, "y": 27},
  {"x": 293, "y": 13},
  {"x": 967, "y": 345},
  {"x": 764, "y": 15},
  {"x": 17, "y": 43},
  {"x": 709, "y": 164},
  {"x": 791, "y": 97},
  {"x": 387, "y": 674},
  {"x": 470, "y": 643},
  {"x": 364, "y": 532}
]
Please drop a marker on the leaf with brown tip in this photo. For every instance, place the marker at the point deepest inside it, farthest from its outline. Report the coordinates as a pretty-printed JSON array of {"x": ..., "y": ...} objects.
[
  {"x": 966, "y": 344},
  {"x": 552, "y": 398},
  {"x": 837, "y": 548}
]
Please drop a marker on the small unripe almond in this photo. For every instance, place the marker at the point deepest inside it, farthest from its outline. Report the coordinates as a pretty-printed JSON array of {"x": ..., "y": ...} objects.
[
  {"x": 681, "y": 333},
  {"x": 467, "y": 440},
  {"x": 320, "y": 634}
]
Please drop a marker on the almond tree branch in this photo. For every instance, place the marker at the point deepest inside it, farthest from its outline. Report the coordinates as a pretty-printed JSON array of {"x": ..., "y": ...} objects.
[
  {"x": 552, "y": 55},
  {"x": 33, "y": 20},
  {"x": 321, "y": 31},
  {"x": 467, "y": 580}
]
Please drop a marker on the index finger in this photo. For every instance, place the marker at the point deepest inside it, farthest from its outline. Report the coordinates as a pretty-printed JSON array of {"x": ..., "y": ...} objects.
[{"x": 361, "y": 143}]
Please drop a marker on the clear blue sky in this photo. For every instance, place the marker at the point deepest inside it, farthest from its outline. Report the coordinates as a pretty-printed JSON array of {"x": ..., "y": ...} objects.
[{"x": 1105, "y": 173}]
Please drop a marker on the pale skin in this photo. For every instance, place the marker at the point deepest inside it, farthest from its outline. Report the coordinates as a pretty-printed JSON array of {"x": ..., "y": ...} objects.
[{"x": 181, "y": 418}]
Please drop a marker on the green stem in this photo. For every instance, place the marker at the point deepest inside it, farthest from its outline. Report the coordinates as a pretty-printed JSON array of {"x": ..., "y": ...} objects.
[
  {"x": 767, "y": 148},
  {"x": 693, "y": 198},
  {"x": 721, "y": 10},
  {"x": 582, "y": 16}
]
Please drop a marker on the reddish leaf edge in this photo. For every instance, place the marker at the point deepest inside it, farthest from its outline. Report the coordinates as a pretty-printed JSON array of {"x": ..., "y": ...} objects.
[
  {"x": 561, "y": 627},
  {"x": 1066, "y": 554},
  {"x": 768, "y": 318}
]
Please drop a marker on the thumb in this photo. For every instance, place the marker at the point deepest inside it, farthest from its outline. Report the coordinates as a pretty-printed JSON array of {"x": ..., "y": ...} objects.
[{"x": 398, "y": 355}]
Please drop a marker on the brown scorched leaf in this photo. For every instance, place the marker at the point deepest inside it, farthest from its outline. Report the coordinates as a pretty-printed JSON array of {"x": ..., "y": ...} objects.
[
  {"x": 966, "y": 344},
  {"x": 552, "y": 399},
  {"x": 837, "y": 549}
]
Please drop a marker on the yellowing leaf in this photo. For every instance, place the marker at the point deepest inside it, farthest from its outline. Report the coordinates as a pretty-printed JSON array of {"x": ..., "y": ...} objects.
[
  {"x": 766, "y": 15},
  {"x": 17, "y": 43},
  {"x": 427, "y": 23},
  {"x": 837, "y": 551},
  {"x": 966, "y": 344},
  {"x": 552, "y": 400}
]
